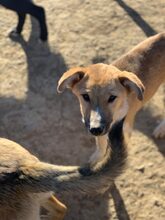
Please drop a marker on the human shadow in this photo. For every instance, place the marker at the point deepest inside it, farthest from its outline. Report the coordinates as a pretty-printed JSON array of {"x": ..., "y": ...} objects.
[{"x": 145, "y": 27}]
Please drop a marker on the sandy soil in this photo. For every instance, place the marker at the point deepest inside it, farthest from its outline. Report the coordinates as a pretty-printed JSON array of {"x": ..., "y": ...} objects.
[{"x": 33, "y": 114}]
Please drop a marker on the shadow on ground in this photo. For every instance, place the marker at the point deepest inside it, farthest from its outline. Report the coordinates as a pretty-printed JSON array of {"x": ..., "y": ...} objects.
[{"x": 136, "y": 17}]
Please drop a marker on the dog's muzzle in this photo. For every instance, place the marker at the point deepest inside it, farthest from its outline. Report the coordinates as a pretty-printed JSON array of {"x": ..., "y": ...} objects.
[{"x": 97, "y": 131}]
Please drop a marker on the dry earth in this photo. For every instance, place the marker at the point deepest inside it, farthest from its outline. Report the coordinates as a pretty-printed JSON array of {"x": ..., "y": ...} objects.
[{"x": 82, "y": 32}]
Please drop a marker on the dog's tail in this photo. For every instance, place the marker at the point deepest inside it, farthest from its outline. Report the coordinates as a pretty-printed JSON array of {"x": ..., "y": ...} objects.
[{"x": 43, "y": 177}]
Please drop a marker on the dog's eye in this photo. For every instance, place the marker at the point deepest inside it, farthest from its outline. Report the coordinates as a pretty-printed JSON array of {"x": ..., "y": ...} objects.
[
  {"x": 112, "y": 98},
  {"x": 86, "y": 97}
]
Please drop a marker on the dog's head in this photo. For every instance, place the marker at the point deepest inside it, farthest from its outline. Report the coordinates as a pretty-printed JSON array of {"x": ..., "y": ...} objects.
[{"x": 103, "y": 92}]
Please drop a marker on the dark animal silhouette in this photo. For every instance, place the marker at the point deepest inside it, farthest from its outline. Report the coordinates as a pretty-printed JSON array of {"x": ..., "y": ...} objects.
[{"x": 23, "y": 7}]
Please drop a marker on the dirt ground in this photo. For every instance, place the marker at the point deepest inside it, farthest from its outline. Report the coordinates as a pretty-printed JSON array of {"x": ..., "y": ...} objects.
[{"x": 82, "y": 32}]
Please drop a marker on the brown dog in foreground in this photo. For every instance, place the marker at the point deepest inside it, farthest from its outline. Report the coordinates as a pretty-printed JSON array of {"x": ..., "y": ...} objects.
[
  {"x": 26, "y": 183},
  {"x": 107, "y": 93}
]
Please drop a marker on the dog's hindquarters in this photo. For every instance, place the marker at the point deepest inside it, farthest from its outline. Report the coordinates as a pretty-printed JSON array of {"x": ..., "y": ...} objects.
[{"x": 147, "y": 61}]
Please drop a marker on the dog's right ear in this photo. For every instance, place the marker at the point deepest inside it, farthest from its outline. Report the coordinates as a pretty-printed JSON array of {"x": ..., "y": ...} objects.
[{"x": 70, "y": 78}]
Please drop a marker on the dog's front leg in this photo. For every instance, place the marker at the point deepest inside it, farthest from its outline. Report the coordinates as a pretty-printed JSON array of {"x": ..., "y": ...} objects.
[
  {"x": 21, "y": 21},
  {"x": 99, "y": 157}
]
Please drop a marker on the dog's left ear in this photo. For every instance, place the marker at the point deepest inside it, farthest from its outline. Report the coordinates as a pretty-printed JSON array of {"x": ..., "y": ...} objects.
[
  {"x": 132, "y": 83},
  {"x": 70, "y": 78}
]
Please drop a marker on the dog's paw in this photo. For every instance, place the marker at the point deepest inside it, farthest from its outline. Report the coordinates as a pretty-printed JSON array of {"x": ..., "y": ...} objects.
[
  {"x": 159, "y": 131},
  {"x": 14, "y": 31},
  {"x": 14, "y": 34}
]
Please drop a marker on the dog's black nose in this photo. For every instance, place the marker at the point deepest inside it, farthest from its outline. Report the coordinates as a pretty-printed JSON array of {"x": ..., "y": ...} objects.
[{"x": 97, "y": 131}]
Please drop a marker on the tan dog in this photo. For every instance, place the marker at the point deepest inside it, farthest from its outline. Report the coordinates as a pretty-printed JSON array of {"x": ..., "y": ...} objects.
[
  {"x": 107, "y": 93},
  {"x": 27, "y": 183}
]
